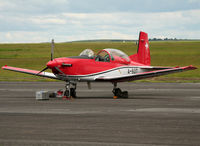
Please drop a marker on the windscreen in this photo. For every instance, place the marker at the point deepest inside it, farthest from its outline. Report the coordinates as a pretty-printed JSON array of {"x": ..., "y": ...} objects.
[
  {"x": 116, "y": 54},
  {"x": 87, "y": 52}
]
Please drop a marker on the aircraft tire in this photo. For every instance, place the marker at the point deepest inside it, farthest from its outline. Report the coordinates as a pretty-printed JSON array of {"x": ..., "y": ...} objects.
[
  {"x": 66, "y": 93},
  {"x": 125, "y": 94},
  {"x": 117, "y": 92},
  {"x": 73, "y": 92}
]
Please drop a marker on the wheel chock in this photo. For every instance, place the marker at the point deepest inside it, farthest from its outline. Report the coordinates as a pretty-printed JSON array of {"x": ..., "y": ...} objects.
[
  {"x": 115, "y": 97},
  {"x": 65, "y": 97}
]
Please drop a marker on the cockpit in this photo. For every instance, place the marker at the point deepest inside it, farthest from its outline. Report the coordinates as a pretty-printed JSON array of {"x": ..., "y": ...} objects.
[{"x": 107, "y": 55}]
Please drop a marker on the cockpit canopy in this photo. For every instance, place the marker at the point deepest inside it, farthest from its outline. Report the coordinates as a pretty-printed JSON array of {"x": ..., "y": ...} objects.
[
  {"x": 87, "y": 53},
  {"x": 114, "y": 55},
  {"x": 107, "y": 55}
]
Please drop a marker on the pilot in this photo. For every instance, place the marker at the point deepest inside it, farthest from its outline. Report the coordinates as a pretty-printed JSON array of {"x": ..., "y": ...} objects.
[{"x": 107, "y": 58}]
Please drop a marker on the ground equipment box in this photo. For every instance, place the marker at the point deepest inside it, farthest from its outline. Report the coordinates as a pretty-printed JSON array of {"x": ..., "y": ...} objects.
[{"x": 42, "y": 95}]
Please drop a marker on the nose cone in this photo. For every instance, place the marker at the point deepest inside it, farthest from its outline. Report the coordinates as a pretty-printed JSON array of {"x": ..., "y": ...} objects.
[{"x": 51, "y": 64}]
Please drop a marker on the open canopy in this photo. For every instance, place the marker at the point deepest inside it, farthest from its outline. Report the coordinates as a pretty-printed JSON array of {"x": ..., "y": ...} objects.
[
  {"x": 107, "y": 55},
  {"x": 112, "y": 55},
  {"x": 87, "y": 53}
]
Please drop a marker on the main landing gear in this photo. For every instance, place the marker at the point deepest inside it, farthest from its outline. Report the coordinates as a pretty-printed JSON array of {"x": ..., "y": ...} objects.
[
  {"x": 118, "y": 93},
  {"x": 70, "y": 90}
]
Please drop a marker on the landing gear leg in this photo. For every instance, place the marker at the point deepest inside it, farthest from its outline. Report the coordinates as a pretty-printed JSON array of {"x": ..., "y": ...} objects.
[
  {"x": 73, "y": 90},
  {"x": 118, "y": 93},
  {"x": 70, "y": 90}
]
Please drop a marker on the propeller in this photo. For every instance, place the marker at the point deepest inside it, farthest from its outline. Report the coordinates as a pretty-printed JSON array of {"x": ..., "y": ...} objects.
[
  {"x": 52, "y": 49},
  {"x": 55, "y": 68},
  {"x": 60, "y": 71},
  {"x": 52, "y": 64},
  {"x": 52, "y": 52},
  {"x": 42, "y": 70}
]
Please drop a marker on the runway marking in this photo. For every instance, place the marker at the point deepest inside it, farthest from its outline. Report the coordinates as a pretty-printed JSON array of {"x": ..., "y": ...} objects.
[
  {"x": 45, "y": 111},
  {"x": 167, "y": 110},
  {"x": 74, "y": 143},
  {"x": 195, "y": 97},
  {"x": 100, "y": 111}
]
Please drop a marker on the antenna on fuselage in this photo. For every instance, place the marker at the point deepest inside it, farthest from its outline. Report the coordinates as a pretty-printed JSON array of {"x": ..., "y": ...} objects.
[{"x": 52, "y": 49}]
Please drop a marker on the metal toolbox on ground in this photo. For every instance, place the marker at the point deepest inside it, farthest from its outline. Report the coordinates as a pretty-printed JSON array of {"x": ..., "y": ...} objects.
[{"x": 42, "y": 95}]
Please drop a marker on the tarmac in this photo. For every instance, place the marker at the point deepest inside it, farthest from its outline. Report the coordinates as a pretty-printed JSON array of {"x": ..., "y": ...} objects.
[{"x": 155, "y": 114}]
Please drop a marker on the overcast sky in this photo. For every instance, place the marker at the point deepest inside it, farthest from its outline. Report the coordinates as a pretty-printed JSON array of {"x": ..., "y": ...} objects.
[{"x": 67, "y": 20}]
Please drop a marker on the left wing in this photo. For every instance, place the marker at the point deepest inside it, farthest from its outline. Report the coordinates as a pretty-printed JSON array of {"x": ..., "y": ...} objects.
[
  {"x": 156, "y": 72},
  {"x": 32, "y": 72}
]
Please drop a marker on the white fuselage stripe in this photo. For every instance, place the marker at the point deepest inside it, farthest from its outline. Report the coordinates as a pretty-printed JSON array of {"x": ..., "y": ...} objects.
[{"x": 110, "y": 70}]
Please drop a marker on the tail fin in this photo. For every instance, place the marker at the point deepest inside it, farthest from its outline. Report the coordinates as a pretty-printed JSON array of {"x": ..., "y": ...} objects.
[{"x": 143, "y": 53}]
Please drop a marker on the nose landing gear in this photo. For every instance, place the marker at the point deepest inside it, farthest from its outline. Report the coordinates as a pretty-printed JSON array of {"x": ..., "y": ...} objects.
[
  {"x": 70, "y": 91},
  {"x": 118, "y": 93}
]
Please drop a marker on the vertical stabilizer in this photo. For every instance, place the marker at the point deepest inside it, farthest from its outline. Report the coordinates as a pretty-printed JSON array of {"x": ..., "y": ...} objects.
[{"x": 143, "y": 53}]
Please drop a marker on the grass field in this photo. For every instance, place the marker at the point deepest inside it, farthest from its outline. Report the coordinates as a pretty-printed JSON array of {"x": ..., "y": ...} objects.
[{"x": 35, "y": 56}]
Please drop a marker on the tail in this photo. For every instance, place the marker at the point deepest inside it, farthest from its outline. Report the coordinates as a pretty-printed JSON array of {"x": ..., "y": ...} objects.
[{"x": 143, "y": 53}]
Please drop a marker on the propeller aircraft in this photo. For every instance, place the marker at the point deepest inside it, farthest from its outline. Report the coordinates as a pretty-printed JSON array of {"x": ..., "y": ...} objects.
[{"x": 108, "y": 65}]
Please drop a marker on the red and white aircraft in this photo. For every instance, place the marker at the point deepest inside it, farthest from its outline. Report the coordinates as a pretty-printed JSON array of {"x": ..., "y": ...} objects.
[{"x": 109, "y": 65}]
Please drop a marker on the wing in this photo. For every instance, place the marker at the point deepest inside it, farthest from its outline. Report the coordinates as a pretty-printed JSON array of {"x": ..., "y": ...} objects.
[
  {"x": 32, "y": 72},
  {"x": 155, "y": 71}
]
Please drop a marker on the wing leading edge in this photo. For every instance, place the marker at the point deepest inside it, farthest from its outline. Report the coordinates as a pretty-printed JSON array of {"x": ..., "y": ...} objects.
[
  {"x": 32, "y": 72},
  {"x": 148, "y": 74}
]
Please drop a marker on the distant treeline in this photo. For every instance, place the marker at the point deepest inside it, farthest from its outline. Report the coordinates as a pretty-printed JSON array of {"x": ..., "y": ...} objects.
[
  {"x": 168, "y": 39},
  {"x": 151, "y": 39},
  {"x": 105, "y": 40}
]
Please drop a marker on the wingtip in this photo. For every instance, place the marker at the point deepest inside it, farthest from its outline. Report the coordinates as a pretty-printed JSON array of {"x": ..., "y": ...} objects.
[
  {"x": 3, "y": 66},
  {"x": 190, "y": 67}
]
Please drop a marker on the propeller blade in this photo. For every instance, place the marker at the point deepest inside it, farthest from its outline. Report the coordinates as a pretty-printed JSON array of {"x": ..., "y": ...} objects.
[
  {"x": 43, "y": 70},
  {"x": 60, "y": 71},
  {"x": 52, "y": 49},
  {"x": 63, "y": 76}
]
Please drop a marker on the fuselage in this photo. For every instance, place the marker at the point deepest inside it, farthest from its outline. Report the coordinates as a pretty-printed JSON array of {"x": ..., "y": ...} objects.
[{"x": 81, "y": 68}]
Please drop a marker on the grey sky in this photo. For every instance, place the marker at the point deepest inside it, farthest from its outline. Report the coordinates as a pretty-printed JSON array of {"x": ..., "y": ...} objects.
[{"x": 66, "y": 20}]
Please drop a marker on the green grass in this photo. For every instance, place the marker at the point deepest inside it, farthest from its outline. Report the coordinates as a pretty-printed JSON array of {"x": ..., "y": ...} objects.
[{"x": 35, "y": 56}]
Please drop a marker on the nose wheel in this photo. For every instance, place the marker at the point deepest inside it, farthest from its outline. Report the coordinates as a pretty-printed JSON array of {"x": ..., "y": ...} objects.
[
  {"x": 118, "y": 93},
  {"x": 70, "y": 90}
]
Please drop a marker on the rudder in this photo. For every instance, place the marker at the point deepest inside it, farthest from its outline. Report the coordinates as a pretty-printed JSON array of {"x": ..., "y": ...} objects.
[{"x": 143, "y": 53}]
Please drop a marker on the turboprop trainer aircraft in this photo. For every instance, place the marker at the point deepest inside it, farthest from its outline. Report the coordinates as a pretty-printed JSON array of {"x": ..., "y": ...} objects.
[{"x": 109, "y": 65}]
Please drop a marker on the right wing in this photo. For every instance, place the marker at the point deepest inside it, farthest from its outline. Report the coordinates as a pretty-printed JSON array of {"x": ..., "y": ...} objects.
[
  {"x": 157, "y": 71},
  {"x": 32, "y": 72}
]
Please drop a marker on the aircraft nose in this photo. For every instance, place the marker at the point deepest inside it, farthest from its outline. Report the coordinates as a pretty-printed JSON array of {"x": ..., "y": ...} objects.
[{"x": 51, "y": 64}]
